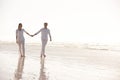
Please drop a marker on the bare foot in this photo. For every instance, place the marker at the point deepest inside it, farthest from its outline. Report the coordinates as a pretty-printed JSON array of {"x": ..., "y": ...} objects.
[
  {"x": 23, "y": 56},
  {"x": 41, "y": 55},
  {"x": 44, "y": 55}
]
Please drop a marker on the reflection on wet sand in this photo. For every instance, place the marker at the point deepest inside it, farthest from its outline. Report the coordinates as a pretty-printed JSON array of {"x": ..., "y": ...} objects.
[
  {"x": 42, "y": 70},
  {"x": 19, "y": 70}
]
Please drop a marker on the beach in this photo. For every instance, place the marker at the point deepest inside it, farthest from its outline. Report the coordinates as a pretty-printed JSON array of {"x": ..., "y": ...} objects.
[{"x": 63, "y": 62}]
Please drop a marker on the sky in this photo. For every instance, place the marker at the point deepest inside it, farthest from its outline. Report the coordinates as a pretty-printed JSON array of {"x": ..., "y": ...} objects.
[{"x": 76, "y": 21}]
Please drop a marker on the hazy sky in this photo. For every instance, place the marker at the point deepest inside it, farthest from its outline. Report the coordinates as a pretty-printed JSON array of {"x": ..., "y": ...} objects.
[{"x": 85, "y": 21}]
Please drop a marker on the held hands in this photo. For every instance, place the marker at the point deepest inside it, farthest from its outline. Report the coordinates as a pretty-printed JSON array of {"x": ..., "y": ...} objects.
[
  {"x": 34, "y": 35},
  {"x": 31, "y": 35}
]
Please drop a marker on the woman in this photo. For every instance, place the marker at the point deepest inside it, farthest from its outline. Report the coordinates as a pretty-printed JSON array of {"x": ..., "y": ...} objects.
[{"x": 20, "y": 39}]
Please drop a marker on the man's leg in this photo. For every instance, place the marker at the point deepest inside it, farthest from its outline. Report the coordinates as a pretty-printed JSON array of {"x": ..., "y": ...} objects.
[{"x": 44, "y": 42}]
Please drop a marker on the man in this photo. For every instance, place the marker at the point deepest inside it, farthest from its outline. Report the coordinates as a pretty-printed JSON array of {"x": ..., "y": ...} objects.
[{"x": 44, "y": 37}]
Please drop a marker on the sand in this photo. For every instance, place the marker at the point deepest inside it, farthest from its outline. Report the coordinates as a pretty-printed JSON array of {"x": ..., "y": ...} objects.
[{"x": 63, "y": 62}]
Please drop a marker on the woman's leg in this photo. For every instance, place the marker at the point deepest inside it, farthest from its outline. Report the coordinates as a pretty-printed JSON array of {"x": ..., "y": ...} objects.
[
  {"x": 19, "y": 45},
  {"x": 23, "y": 48}
]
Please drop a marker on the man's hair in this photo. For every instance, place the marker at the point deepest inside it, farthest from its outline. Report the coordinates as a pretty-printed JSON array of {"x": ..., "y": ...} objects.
[{"x": 45, "y": 23}]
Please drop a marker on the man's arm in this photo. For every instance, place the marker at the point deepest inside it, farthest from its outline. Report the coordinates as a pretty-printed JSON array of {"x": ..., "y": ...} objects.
[
  {"x": 16, "y": 37},
  {"x": 50, "y": 36},
  {"x": 37, "y": 32}
]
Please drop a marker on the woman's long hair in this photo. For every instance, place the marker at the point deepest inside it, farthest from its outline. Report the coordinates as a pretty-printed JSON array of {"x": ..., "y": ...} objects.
[{"x": 20, "y": 26}]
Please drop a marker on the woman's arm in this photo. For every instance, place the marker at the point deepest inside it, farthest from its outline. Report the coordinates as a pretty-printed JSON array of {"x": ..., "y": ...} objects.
[{"x": 26, "y": 32}]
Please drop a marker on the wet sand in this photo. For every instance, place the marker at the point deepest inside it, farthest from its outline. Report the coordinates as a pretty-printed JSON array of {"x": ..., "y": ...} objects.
[{"x": 61, "y": 63}]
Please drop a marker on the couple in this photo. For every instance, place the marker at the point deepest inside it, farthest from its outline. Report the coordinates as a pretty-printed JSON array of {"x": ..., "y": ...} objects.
[{"x": 21, "y": 41}]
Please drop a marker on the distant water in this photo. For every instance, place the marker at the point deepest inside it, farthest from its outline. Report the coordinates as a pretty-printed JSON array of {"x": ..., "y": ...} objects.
[
  {"x": 103, "y": 47},
  {"x": 90, "y": 46},
  {"x": 37, "y": 46}
]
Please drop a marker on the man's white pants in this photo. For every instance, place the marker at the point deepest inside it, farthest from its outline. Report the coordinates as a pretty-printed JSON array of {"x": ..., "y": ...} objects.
[{"x": 44, "y": 42}]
